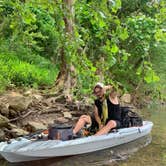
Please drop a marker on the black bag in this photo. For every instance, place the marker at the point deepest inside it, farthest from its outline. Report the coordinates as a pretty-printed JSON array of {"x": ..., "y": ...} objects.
[
  {"x": 60, "y": 132},
  {"x": 130, "y": 118}
]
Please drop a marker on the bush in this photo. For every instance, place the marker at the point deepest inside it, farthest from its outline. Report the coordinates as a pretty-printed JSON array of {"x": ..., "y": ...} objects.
[{"x": 18, "y": 72}]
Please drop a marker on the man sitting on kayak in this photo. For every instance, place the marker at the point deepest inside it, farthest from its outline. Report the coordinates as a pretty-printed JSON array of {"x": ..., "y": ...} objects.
[{"x": 107, "y": 114}]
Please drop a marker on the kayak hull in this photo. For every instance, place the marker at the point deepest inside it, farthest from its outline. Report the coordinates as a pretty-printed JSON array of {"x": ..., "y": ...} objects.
[{"x": 26, "y": 150}]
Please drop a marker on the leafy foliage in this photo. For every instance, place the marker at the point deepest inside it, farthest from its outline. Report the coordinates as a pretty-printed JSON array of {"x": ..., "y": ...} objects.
[
  {"x": 111, "y": 42},
  {"x": 15, "y": 71}
]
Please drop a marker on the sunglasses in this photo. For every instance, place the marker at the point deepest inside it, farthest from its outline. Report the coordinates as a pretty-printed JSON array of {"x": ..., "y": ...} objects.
[{"x": 97, "y": 92}]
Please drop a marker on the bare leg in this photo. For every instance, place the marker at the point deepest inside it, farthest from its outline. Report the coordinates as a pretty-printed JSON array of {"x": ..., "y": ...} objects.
[
  {"x": 84, "y": 119},
  {"x": 111, "y": 124}
]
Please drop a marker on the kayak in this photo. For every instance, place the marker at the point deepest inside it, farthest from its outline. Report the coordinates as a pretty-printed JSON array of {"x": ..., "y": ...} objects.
[{"x": 24, "y": 149}]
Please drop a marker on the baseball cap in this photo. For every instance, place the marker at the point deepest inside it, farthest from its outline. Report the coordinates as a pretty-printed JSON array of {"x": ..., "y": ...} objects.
[{"x": 99, "y": 84}]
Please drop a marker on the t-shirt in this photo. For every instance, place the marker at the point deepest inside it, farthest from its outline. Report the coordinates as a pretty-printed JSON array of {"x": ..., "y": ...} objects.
[{"x": 114, "y": 112}]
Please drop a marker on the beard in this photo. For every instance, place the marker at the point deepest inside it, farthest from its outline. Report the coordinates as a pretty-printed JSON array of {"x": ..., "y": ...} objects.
[{"x": 101, "y": 97}]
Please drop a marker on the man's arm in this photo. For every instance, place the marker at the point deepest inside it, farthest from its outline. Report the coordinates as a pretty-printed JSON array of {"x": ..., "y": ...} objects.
[{"x": 107, "y": 87}]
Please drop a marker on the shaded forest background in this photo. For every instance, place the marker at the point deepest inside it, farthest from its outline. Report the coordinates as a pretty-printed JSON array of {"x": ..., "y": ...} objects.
[{"x": 71, "y": 44}]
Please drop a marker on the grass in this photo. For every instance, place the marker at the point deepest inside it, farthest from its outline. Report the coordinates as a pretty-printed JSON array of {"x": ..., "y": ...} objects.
[{"x": 22, "y": 72}]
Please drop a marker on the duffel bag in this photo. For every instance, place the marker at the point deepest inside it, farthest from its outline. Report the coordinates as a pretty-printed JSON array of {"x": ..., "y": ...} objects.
[{"x": 130, "y": 118}]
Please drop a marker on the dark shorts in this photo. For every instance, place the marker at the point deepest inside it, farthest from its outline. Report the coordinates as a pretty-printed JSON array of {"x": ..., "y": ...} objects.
[
  {"x": 94, "y": 126},
  {"x": 118, "y": 124}
]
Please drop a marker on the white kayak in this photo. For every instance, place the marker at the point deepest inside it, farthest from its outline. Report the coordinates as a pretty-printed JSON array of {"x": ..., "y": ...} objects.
[{"x": 27, "y": 150}]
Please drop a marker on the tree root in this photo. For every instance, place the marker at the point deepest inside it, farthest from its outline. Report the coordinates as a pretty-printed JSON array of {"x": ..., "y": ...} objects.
[{"x": 22, "y": 116}]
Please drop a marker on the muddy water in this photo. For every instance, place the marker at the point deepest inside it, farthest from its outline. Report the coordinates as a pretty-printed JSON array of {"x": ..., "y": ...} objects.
[{"x": 149, "y": 150}]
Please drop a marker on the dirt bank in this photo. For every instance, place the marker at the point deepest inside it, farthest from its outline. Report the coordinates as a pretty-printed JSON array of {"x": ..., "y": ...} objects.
[{"x": 23, "y": 112}]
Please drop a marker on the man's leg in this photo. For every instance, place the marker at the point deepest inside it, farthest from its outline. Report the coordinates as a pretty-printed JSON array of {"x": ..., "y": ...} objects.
[
  {"x": 84, "y": 119},
  {"x": 111, "y": 124}
]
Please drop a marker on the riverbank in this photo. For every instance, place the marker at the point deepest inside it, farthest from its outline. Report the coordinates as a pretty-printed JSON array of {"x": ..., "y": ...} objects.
[
  {"x": 26, "y": 111},
  {"x": 29, "y": 111}
]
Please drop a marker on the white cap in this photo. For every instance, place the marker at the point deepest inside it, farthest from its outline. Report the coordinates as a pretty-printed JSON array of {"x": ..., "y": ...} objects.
[{"x": 99, "y": 84}]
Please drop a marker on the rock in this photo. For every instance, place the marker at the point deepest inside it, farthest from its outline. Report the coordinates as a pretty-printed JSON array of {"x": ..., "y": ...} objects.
[
  {"x": 88, "y": 101},
  {"x": 34, "y": 126},
  {"x": 76, "y": 113},
  {"x": 50, "y": 101},
  {"x": 61, "y": 120},
  {"x": 17, "y": 132},
  {"x": 29, "y": 92},
  {"x": 11, "y": 86},
  {"x": 2, "y": 135},
  {"x": 4, "y": 109},
  {"x": 38, "y": 97},
  {"x": 18, "y": 102},
  {"x": 67, "y": 115},
  {"x": 11, "y": 126},
  {"x": 126, "y": 98},
  {"x": 3, "y": 121},
  {"x": 13, "y": 113}
]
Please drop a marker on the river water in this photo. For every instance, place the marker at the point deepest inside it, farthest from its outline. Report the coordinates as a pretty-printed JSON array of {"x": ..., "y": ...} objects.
[{"x": 149, "y": 150}]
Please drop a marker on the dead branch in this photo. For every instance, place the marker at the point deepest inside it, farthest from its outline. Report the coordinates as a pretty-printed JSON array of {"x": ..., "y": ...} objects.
[{"x": 22, "y": 116}]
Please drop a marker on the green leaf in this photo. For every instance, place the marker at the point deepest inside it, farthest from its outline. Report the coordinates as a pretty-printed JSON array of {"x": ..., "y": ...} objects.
[
  {"x": 161, "y": 35},
  {"x": 139, "y": 70},
  {"x": 101, "y": 23},
  {"x": 156, "y": 78},
  {"x": 114, "y": 48},
  {"x": 116, "y": 5},
  {"x": 102, "y": 14},
  {"x": 151, "y": 76},
  {"x": 125, "y": 57},
  {"x": 124, "y": 34}
]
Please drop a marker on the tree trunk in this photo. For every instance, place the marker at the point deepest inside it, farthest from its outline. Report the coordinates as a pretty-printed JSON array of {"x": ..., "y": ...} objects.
[{"x": 63, "y": 81}]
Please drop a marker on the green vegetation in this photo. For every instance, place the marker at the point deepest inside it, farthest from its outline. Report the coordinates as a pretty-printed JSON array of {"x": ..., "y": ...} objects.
[
  {"x": 110, "y": 41},
  {"x": 23, "y": 68},
  {"x": 159, "y": 63},
  {"x": 13, "y": 70}
]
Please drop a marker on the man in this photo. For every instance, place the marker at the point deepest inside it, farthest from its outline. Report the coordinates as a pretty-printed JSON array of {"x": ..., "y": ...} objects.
[{"x": 107, "y": 114}]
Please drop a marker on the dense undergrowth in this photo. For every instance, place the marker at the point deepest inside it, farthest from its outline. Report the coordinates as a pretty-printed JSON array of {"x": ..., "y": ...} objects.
[
  {"x": 25, "y": 69},
  {"x": 159, "y": 63}
]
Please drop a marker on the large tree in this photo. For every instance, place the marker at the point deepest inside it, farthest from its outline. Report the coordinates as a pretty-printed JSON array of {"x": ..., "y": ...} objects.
[{"x": 64, "y": 78}]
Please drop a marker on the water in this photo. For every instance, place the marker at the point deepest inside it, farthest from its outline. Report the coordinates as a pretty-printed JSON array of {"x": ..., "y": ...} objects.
[
  {"x": 135, "y": 153},
  {"x": 155, "y": 153}
]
